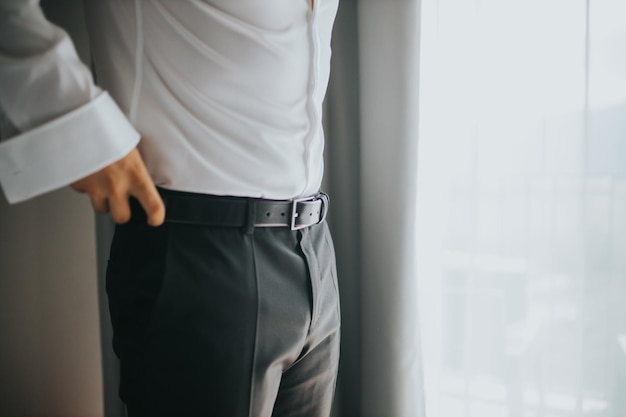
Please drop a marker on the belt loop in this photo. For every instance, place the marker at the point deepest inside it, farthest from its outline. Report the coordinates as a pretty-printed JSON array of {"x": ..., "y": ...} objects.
[{"x": 251, "y": 216}]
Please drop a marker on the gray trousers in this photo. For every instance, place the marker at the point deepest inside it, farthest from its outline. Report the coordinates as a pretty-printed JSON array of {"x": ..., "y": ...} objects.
[{"x": 215, "y": 321}]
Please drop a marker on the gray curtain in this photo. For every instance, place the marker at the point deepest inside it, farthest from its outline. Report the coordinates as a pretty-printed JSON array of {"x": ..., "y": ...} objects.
[
  {"x": 372, "y": 128},
  {"x": 342, "y": 178}
]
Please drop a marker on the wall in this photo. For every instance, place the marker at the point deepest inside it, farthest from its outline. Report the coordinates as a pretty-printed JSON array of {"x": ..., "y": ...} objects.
[{"x": 50, "y": 360}]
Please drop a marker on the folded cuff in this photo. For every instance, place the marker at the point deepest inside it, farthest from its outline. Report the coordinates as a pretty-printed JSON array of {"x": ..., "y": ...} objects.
[{"x": 66, "y": 149}]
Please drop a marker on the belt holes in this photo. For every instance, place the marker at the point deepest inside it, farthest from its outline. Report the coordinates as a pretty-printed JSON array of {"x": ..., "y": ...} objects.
[
  {"x": 282, "y": 214},
  {"x": 267, "y": 214}
]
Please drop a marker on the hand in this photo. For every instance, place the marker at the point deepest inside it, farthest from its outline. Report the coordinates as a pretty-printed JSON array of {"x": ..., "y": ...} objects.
[{"x": 110, "y": 188}]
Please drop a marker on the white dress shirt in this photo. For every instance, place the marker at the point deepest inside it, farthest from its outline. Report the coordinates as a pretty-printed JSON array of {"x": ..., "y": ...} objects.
[{"x": 226, "y": 95}]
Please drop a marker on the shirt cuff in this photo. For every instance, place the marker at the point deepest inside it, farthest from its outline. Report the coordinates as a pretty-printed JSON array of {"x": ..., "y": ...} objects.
[{"x": 66, "y": 149}]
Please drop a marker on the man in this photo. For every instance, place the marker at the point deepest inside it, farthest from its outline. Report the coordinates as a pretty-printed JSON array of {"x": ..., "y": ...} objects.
[{"x": 221, "y": 279}]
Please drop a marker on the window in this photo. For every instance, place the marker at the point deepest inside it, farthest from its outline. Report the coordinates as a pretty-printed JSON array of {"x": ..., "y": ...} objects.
[{"x": 522, "y": 207}]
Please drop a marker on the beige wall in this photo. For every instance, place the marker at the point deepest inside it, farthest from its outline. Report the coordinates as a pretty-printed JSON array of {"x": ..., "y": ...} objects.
[
  {"x": 50, "y": 341},
  {"x": 50, "y": 360}
]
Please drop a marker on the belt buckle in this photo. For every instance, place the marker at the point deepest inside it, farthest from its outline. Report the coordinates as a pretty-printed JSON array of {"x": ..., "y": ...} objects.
[{"x": 294, "y": 209}]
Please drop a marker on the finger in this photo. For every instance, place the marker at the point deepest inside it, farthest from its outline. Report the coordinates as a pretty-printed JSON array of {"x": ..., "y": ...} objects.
[
  {"x": 99, "y": 204},
  {"x": 151, "y": 201},
  {"x": 120, "y": 209}
]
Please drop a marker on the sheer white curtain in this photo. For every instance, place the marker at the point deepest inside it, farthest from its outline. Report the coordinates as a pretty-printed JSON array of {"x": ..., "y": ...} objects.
[{"x": 522, "y": 207}]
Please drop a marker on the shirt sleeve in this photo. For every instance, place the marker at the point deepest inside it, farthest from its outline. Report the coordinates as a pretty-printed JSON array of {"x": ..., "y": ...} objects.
[{"x": 64, "y": 127}]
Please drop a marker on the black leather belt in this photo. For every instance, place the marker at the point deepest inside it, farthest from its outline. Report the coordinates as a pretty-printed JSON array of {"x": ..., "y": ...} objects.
[{"x": 210, "y": 210}]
